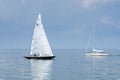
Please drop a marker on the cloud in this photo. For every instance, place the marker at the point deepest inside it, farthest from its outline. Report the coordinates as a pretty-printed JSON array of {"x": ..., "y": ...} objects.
[
  {"x": 23, "y": 1},
  {"x": 118, "y": 25},
  {"x": 10, "y": 10},
  {"x": 1, "y": 1},
  {"x": 96, "y": 3},
  {"x": 108, "y": 21}
]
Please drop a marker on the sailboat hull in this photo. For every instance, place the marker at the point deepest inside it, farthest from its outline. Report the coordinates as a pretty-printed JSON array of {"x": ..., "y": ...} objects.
[
  {"x": 40, "y": 58},
  {"x": 97, "y": 54}
]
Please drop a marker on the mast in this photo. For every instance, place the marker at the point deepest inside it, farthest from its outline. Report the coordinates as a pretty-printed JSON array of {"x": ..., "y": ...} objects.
[
  {"x": 94, "y": 34},
  {"x": 91, "y": 37}
]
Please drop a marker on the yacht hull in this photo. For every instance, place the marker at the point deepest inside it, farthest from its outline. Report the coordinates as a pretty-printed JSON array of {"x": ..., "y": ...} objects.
[
  {"x": 40, "y": 58},
  {"x": 96, "y": 54}
]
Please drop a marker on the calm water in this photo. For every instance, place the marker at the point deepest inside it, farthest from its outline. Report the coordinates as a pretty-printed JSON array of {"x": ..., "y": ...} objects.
[{"x": 68, "y": 65}]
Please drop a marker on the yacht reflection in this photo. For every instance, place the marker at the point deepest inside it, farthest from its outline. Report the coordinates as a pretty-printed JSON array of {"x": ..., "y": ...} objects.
[
  {"x": 41, "y": 69},
  {"x": 97, "y": 66}
]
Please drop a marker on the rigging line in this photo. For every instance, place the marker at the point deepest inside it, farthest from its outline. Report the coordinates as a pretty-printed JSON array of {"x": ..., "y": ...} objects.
[
  {"x": 94, "y": 35},
  {"x": 89, "y": 39}
]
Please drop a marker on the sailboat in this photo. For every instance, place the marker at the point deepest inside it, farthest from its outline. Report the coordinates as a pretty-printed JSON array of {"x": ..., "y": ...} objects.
[
  {"x": 40, "y": 47},
  {"x": 96, "y": 52}
]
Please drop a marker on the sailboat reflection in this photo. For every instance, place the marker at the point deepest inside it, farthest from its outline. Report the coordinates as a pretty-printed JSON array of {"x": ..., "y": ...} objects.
[
  {"x": 97, "y": 66},
  {"x": 41, "y": 69}
]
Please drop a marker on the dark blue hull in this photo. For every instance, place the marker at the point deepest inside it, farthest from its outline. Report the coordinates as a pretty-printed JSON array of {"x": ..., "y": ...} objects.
[{"x": 41, "y": 58}]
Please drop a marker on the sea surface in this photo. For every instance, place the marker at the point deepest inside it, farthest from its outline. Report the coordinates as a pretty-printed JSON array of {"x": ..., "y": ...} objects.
[{"x": 69, "y": 64}]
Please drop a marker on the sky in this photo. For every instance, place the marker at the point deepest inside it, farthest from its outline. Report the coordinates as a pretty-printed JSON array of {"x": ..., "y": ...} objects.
[{"x": 68, "y": 23}]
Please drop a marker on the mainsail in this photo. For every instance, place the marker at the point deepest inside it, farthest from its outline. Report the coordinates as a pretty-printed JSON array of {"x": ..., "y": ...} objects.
[{"x": 40, "y": 45}]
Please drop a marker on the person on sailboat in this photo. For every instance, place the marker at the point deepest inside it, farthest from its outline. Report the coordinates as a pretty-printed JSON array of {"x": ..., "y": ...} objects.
[{"x": 34, "y": 55}]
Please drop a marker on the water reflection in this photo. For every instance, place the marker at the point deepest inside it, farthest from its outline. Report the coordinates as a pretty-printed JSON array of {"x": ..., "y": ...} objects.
[
  {"x": 41, "y": 69},
  {"x": 97, "y": 67}
]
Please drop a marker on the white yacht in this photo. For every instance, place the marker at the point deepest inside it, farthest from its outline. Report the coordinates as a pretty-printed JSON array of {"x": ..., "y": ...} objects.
[{"x": 95, "y": 52}]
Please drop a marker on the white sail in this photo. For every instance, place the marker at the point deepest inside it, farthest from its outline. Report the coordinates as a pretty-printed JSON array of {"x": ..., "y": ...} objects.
[
  {"x": 98, "y": 50},
  {"x": 40, "y": 45}
]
